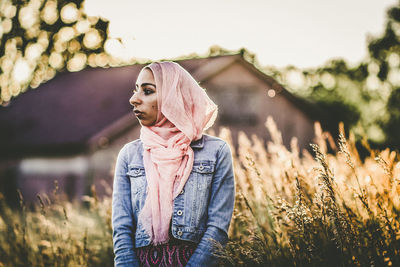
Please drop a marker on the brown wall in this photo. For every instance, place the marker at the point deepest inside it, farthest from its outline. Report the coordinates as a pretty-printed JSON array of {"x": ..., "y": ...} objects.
[
  {"x": 102, "y": 161},
  {"x": 239, "y": 92}
]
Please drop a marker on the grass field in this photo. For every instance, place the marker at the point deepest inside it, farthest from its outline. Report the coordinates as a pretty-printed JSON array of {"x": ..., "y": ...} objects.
[{"x": 292, "y": 208}]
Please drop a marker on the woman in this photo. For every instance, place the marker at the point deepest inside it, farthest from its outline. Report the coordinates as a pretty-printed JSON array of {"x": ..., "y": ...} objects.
[{"x": 173, "y": 192}]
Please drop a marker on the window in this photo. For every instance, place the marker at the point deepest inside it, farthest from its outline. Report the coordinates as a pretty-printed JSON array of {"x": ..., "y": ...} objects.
[{"x": 237, "y": 105}]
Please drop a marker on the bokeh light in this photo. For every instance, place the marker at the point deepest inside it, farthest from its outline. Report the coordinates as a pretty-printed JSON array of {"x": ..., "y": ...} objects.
[
  {"x": 295, "y": 79},
  {"x": 28, "y": 17},
  {"x": 33, "y": 51},
  {"x": 74, "y": 46},
  {"x": 49, "y": 37},
  {"x": 65, "y": 34},
  {"x": 6, "y": 65},
  {"x": 394, "y": 60},
  {"x": 101, "y": 59},
  {"x": 92, "y": 60},
  {"x": 56, "y": 60},
  {"x": 22, "y": 71},
  {"x": 373, "y": 82},
  {"x": 82, "y": 26},
  {"x": 43, "y": 39},
  {"x": 271, "y": 93},
  {"x": 49, "y": 13},
  {"x": 15, "y": 88},
  {"x": 60, "y": 46},
  {"x": 373, "y": 68},
  {"x": 77, "y": 62},
  {"x": 328, "y": 80},
  {"x": 6, "y": 25},
  {"x": 114, "y": 48},
  {"x": 69, "y": 13},
  {"x": 32, "y": 32},
  {"x": 9, "y": 10},
  {"x": 394, "y": 77},
  {"x": 92, "y": 39}
]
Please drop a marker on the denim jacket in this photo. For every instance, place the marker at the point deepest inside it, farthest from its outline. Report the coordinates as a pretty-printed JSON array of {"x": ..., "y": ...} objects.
[{"x": 201, "y": 212}]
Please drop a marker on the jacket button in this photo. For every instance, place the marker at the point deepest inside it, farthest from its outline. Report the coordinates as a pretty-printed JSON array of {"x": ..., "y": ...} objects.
[
  {"x": 201, "y": 167},
  {"x": 179, "y": 233},
  {"x": 183, "y": 191},
  {"x": 179, "y": 212}
]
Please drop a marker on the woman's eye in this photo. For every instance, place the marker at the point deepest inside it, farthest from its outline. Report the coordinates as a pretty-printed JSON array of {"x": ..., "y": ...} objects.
[{"x": 147, "y": 91}]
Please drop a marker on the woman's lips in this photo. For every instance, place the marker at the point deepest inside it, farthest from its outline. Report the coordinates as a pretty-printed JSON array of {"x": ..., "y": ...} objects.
[{"x": 138, "y": 114}]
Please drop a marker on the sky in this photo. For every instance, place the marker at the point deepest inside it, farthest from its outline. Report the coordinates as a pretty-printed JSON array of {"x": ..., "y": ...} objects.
[{"x": 304, "y": 33}]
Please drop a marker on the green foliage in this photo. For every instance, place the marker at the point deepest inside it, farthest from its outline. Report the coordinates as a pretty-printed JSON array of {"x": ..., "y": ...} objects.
[
  {"x": 363, "y": 96},
  {"x": 393, "y": 124},
  {"x": 43, "y": 37},
  {"x": 337, "y": 111}
]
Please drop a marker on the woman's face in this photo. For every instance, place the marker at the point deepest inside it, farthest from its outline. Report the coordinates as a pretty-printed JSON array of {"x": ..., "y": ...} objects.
[{"x": 144, "y": 98}]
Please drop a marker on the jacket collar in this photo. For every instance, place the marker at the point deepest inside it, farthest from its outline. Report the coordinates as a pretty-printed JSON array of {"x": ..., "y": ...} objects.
[{"x": 198, "y": 143}]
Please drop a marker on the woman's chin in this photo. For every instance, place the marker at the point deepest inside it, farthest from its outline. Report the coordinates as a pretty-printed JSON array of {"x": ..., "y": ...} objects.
[{"x": 145, "y": 123}]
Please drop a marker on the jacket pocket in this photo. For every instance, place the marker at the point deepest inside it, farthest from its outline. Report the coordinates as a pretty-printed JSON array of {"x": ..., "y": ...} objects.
[
  {"x": 204, "y": 166},
  {"x": 202, "y": 172},
  {"x": 137, "y": 177}
]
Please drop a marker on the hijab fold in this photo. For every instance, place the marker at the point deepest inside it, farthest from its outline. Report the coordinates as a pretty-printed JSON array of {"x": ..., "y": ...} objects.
[{"x": 184, "y": 112}]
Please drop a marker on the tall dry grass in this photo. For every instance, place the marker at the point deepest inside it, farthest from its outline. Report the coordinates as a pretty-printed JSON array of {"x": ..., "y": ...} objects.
[
  {"x": 329, "y": 209},
  {"x": 293, "y": 208},
  {"x": 56, "y": 232}
]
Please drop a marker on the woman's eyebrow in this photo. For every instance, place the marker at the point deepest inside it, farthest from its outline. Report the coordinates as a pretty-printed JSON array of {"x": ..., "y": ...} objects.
[{"x": 144, "y": 84}]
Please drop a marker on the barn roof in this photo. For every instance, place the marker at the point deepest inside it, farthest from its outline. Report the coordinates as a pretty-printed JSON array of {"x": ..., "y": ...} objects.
[{"x": 70, "y": 113}]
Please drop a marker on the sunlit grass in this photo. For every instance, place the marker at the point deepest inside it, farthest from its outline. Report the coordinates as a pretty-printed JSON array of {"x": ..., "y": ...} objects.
[
  {"x": 330, "y": 209},
  {"x": 57, "y": 233},
  {"x": 292, "y": 209}
]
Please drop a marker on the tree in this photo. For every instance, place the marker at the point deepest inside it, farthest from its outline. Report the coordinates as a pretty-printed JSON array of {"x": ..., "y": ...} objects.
[
  {"x": 365, "y": 97},
  {"x": 42, "y": 37},
  {"x": 392, "y": 125}
]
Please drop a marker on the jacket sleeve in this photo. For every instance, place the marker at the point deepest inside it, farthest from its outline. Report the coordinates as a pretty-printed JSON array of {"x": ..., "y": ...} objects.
[
  {"x": 220, "y": 210},
  {"x": 122, "y": 221}
]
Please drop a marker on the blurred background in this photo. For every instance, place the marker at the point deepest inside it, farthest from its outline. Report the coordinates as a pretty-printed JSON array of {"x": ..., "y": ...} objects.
[
  {"x": 68, "y": 67},
  {"x": 284, "y": 74}
]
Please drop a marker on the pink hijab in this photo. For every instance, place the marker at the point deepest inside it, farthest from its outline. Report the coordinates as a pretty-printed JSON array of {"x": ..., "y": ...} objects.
[{"x": 184, "y": 112}]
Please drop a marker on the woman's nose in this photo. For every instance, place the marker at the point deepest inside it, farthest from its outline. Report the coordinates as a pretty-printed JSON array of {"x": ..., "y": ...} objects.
[{"x": 134, "y": 100}]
